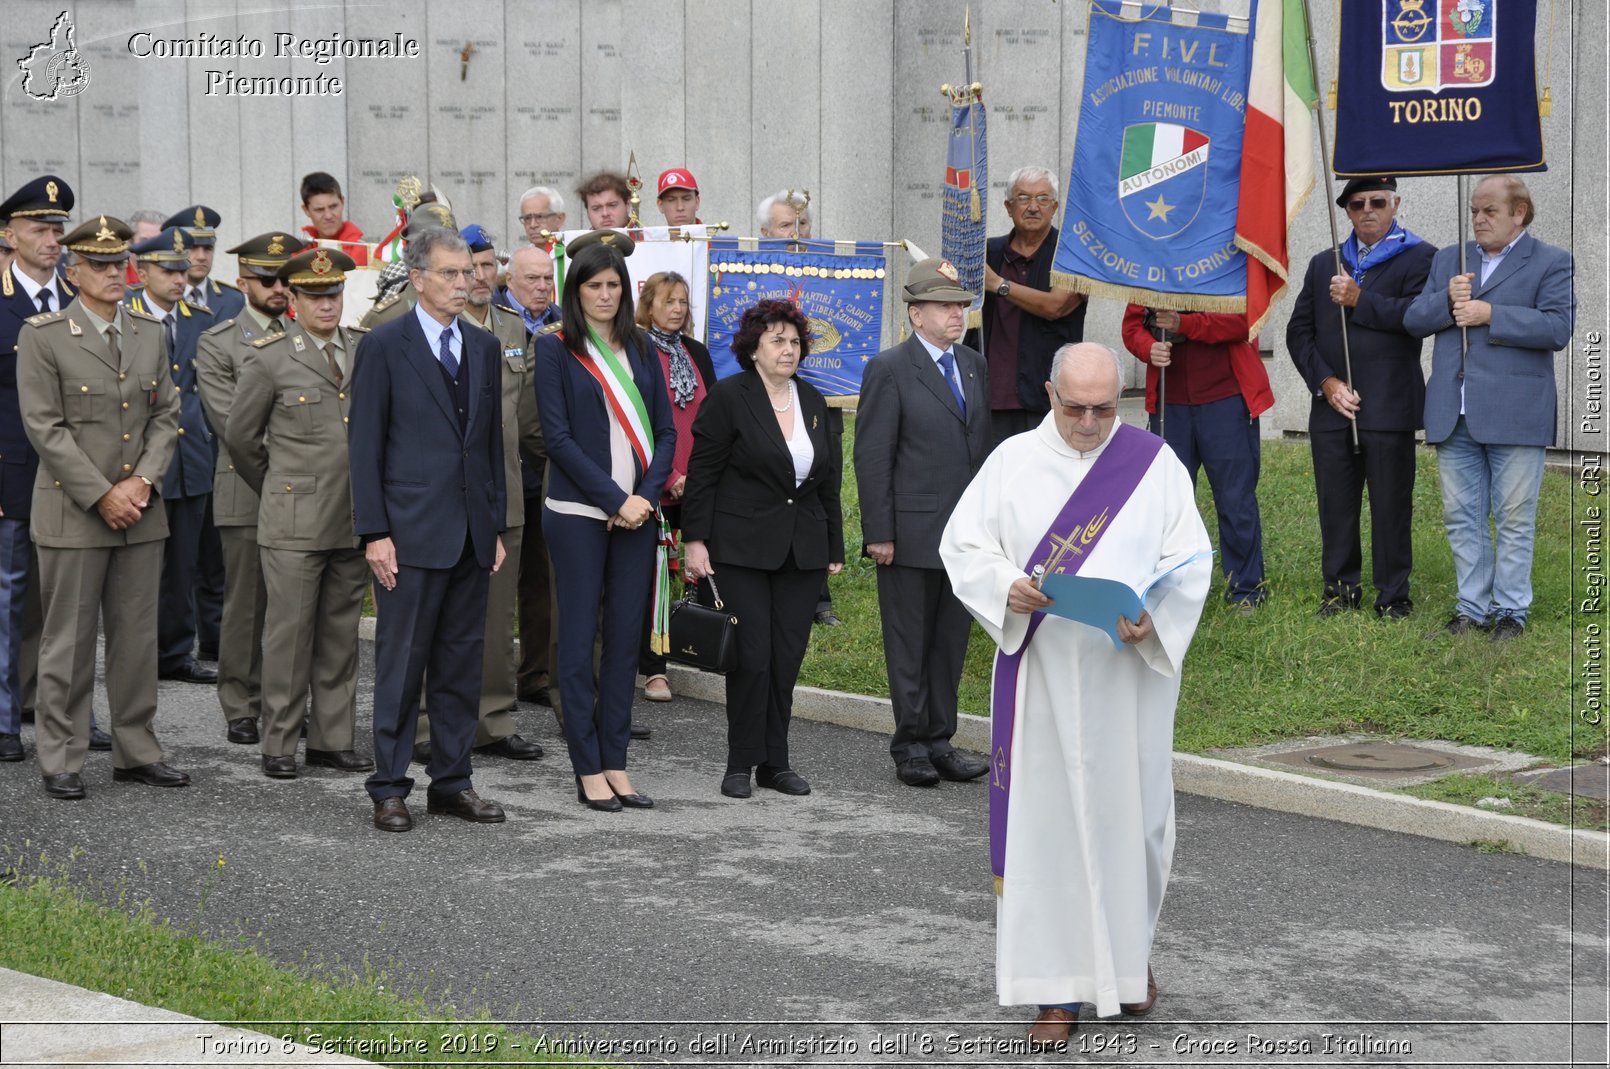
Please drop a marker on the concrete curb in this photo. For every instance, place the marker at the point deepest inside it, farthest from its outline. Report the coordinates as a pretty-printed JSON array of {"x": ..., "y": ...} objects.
[{"x": 1230, "y": 781}]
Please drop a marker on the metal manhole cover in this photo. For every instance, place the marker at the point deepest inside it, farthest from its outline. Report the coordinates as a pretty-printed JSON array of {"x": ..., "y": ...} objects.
[{"x": 1379, "y": 757}]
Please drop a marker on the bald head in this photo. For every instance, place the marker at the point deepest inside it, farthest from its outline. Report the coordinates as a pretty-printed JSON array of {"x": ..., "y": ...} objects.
[
  {"x": 1085, "y": 382},
  {"x": 531, "y": 279},
  {"x": 1089, "y": 364}
]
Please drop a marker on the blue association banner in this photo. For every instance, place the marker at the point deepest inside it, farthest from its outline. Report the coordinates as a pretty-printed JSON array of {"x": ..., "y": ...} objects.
[
  {"x": 837, "y": 284},
  {"x": 1437, "y": 87},
  {"x": 962, "y": 224},
  {"x": 1152, "y": 197}
]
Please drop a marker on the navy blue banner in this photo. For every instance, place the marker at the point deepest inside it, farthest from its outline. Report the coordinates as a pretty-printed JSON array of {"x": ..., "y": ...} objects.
[
  {"x": 841, "y": 293},
  {"x": 1152, "y": 197},
  {"x": 1437, "y": 87},
  {"x": 963, "y": 222}
]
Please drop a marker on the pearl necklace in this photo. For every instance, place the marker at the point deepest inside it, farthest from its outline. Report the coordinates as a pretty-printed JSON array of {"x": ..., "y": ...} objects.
[{"x": 786, "y": 408}]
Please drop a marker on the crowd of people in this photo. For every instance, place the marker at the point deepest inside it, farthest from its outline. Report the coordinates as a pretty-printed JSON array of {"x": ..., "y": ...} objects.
[{"x": 230, "y": 461}]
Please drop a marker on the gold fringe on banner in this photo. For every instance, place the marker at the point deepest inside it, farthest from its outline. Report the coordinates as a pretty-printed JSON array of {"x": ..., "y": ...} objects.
[{"x": 1180, "y": 302}]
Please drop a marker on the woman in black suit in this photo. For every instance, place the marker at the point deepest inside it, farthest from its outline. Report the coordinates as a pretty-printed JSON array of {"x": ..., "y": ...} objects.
[
  {"x": 662, "y": 311},
  {"x": 606, "y": 420},
  {"x": 762, "y": 509}
]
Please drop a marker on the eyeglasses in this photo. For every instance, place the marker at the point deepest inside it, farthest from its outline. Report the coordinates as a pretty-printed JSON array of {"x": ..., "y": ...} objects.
[
  {"x": 531, "y": 218},
  {"x": 1360, "y": 203},
  {"x": 1081, "y": 411},
  {"x": 1039, "y": 200},
  {"x": 452, "y": 274}
]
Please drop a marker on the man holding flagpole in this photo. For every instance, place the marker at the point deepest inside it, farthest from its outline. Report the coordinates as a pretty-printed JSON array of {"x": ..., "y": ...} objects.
[{"x": 1081, "y": 788}]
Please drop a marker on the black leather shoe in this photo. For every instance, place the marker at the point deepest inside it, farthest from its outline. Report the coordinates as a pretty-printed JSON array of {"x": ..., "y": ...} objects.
[
  {"x": 67, "y": 786},
  {"x": 828, "y": 618},
  {"x": 1507, "y": 628},
  {"x": 99, "y": 741},
  {"x": 611, "y": 804},
  {"x": 341, "y": 760},
  {"x": 191, "y": 672},
  {"x": 736, "y": 784},
  {"x": 279, "y": 767},
  {"x": 641, "y": 731},
  {"x": 536, "y": 696},
  {"x": 465, "y": 805},
  {"x": 1334, "y": 606},
  {"x": 783, "y": 780},
  {"x": 958, "y": 767},
  {"x": 634, "y": 801},
  {"x": 391, "y": 814},
  {"x": 207, "y": 653},
  {"x": 1401, "y": 609},
  {"x": 513, "y": 747},
  {"x": 10, "y": 746},
  {"x": 155, "y": 774},
  {"x": 243, "y": 731},
  {"x": 917, "y": 772},
  {"x": 1459, "y": 625},
  {"x": 421, "y": 753}
]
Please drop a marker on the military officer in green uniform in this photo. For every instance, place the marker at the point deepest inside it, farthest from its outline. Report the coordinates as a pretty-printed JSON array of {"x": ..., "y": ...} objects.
[
  {"x": 103, "y": 413},
  {"x": 220, "y": 354},
  {"x": 287, "y": 433},
  {"x": 403, "y": 299}
]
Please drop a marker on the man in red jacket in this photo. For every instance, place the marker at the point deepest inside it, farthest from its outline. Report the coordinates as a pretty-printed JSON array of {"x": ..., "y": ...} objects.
[
  {"x": 1216, "y": 389},
  {"x": 326, "y": 210}
]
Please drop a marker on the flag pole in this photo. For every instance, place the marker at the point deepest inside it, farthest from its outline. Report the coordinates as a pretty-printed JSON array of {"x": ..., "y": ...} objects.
[
  {"x": 1330, "y": 213},
  {"x": 1464, "y": 236}
]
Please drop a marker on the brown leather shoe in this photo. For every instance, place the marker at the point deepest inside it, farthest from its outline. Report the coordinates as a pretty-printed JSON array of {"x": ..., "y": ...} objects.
[
  {"x": 466, "y": 805},
  {"x": 1141, "y": 1009},
  {"x": 391, "y": 814},
  {"x": 1054, "y": 1026}
]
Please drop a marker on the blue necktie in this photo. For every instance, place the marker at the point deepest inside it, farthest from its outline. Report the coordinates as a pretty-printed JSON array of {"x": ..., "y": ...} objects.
[
  {"x": 44, "y": 299},
  {"x": 449, "y": 361},
  {"x": 947, "y": 363}
]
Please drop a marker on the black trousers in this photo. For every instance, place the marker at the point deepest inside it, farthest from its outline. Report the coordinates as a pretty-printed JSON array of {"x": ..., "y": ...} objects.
[
  {"x": 430, "y": 633},
  {"x": 536, "y": 621},
  {"x": 181, "y": 565},
  {"x": 775, "y": 610},
  {"x": 1005, "y": 422},
  {"x": 925, "y": 630},
  {"x": 1385, "y": 463}
]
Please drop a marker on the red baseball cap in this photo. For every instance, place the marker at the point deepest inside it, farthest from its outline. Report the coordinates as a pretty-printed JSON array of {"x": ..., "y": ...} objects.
[{"x": 677, "y": 178}]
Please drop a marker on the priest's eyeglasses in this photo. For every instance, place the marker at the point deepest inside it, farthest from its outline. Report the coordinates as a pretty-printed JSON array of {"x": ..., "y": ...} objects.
[{"x": 1081, "y": 411}]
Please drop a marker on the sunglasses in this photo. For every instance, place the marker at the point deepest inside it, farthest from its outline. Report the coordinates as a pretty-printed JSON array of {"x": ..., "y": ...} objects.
[{"x": 1360, "y": 203}]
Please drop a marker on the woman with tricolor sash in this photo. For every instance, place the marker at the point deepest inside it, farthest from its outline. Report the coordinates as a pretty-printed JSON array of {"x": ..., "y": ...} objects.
[{"x": 606, "y": 417}]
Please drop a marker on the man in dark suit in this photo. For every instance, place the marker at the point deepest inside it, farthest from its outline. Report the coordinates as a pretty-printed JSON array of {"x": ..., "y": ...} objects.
[
  {"x": 426, "y": 448},
  {"x": 1385, "y": 269},
  {"x": 921, "y": 432},
  {"x": 1491, "y": 400}
]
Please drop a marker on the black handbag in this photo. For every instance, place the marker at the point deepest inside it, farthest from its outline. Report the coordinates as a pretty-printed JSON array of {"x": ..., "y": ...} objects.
[{"x": 704, "y": 637}]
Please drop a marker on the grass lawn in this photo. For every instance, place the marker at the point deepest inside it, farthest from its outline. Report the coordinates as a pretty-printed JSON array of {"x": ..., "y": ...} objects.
[
  {"x": 1557, "y": 807},
  {"x": 1283, "y": 673}
]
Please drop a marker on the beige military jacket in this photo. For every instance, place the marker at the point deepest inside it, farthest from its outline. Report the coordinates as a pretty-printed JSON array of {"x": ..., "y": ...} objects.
[
  {"x": 522, "y": 427},
  {"x": 219, "y": 355},
  {"x": 399, "y": 303},
  {"x": 287, "y": 432},
  {"x": 95, "y": 423}
]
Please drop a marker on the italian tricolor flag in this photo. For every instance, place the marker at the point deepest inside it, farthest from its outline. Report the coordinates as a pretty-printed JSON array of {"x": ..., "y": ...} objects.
[{"x": 1277, "y": 156}]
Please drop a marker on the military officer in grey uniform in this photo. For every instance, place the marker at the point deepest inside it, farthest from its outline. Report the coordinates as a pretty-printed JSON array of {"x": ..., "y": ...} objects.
[
  {"x": 102, "y": 411},
  {"x": 220, "y": 354},
  {"x": 495, "y": 731},
  {"x": 287, "y": 433},
  {"x": 403, "y": 298}
]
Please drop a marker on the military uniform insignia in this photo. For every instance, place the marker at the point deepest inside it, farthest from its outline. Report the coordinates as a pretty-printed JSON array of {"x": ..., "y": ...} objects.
[
  {"x": 266, "y": 340},
  {"x": 388, "y": 302},
  {"x": 322, "y": 264},
  {"x": 201, "y": 217},
  {"x": 221, "y": 327},
  {"x": 178, "y": 240},
  {"x": 50, "y": 194},
  {"x": 105, "y": 232},
  {"x": 39, "y": 319},
  {"x": 948, "y": 269},
  {"x": 551, "y": 328},
  {"x": 298, "y": 344},
  {"x": 142, "y": 313},
  {"x": 357, "y": 330},
  {"x": 184, "y": 309},
  {"x": 276, "y": 245},
  {"x": 5, "y": 284}
]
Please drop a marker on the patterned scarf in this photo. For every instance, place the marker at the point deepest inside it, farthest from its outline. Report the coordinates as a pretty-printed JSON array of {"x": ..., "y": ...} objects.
[
  {"x": 1398, "y": 239},
  {"x": 683, "y": 384}
]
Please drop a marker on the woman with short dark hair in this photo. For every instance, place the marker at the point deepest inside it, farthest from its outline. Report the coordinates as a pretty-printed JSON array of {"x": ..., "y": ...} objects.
[{"x": 761, "y": 519}]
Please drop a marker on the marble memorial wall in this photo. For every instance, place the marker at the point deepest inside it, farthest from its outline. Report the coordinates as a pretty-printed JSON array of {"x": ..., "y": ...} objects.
[{"x": 838, "y": 97}]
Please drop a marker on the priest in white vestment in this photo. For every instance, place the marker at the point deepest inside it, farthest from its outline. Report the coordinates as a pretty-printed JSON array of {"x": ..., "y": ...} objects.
[{"x": 1082, "y": 793}]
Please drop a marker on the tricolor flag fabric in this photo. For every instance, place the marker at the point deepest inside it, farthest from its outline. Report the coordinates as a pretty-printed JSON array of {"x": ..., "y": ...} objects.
[{"x": 1277, "y": 153}]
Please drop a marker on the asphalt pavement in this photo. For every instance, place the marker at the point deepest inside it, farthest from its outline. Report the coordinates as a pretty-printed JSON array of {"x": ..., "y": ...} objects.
[{"x": 853, "y": 926}]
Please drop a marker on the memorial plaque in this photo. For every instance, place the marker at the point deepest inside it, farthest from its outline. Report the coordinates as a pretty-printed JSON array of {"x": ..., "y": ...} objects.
[
  {"x": 857, "y": 125},
  {"x": 109, "y": 119},
  {"x": 652, "y": 102},
  {"x": 264, "y": 133},
  {"x": 600, "y": 88},
  {"x": 719, "y": 91},
  {"x": 216, "y": 161},
  {"x": 388, "y": 124},
  {"x": 41, "y": 135},
  {"x": 787, "y": 110},
  {"x": 465, "y": 61},
  {"x": 319, "y": 138},
  {"x": 162, "y": 88},
  {"x": 543, "y": 121},
  {"x": 927, "y": 54},
  {"x": 1018, "y": 56}
]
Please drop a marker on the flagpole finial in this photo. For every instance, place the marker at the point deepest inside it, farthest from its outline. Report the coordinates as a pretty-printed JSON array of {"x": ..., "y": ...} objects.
[
  {"x": 967, "y": 26},
  {"x": 633, "y": 183}
]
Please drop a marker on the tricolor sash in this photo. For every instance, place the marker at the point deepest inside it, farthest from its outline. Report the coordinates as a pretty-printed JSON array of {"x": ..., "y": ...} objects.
[{"x": 1085, "y": 518}]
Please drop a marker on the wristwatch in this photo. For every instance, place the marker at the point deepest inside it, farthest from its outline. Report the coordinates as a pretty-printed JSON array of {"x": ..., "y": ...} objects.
[{"x": 1003, "y": 289}]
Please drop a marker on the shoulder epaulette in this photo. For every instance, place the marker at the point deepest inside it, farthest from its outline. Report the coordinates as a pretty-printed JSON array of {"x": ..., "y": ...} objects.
[
  {"x": 41, "y": 318},
  {"x": 267, "y": 339},
  {"x": 551, "y": 328},
  {"x": 506, "y": 308},
  {"x": 143, "y": 314},
  {"x": 359, "y": 330},
  {"x": 386, "y": 302},
  {"x": 220, "y": 327},
  {"x": 225, "y": 285}
]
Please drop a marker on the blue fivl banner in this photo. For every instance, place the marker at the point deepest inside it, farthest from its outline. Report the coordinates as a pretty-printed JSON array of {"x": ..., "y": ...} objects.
[
  {"x": 838, "y": 285},
  {"x": 966, "y": 183},
  {"x": 1151, "y": 202},
  {"x": 1437, "y": 87}
]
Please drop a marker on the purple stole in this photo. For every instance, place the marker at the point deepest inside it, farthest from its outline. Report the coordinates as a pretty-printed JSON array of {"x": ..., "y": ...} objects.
[{"x": 1085, "y": 517}]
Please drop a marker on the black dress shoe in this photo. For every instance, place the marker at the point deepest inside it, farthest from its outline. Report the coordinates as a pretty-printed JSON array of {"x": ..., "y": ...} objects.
[
  {"x": 513, "y": 747},
  {"x": 421, "y": 753},
  {"x": 782, "y": 780},
  {"x": 917, "y": 772},
  {"x": 191, "y": 672},
  {"x": 99, "y": 740},
  {"x": 156, "y": 774},
  {"x": 1459, "y": 625},
  {"x": 391, "y": 814},
  {"x": 736, "y": 784},
  {"x": 957, "y": 766},
  {"x": 279, "y": 767},
  {"x": 466, "y": 805},
  {"x": 641, "y": 731},
  {"x": 341, "y": 760},
  {"x": 1334, "y": 606},
  {"x": 1400, "y": 609},
  {"x": 634, "y": 801},
  {"x": 207, "y": 653},
  {"x": 1507, "y": 628},
  {"x": 243, "y": 731},
  {"x": 828, "y": 618},
  {"x": 10, "y": 746},
  {"x": 536, "y": 696},
  {"x": 67, "y": 786},
  {"x": 611, "y": 804}
]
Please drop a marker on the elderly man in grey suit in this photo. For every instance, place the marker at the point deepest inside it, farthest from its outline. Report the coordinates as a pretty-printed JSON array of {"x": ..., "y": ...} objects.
[
  {"x": 921, "y": 432},
  {"x": 1490, "y": 402}
]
